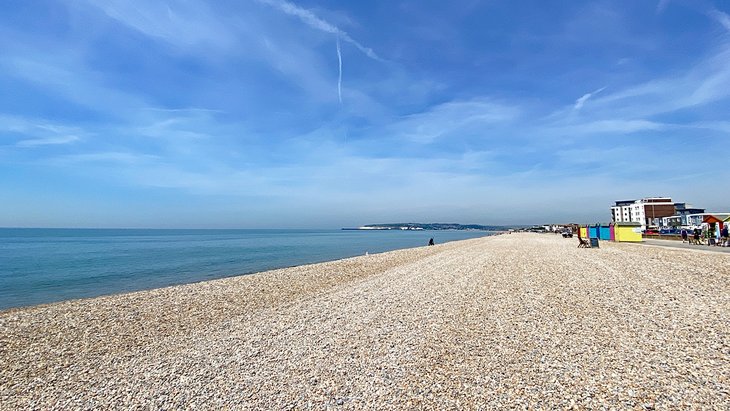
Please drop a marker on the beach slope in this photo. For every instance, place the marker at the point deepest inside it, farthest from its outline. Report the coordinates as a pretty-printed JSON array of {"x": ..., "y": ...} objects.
[{"x": 506, "y": 321}]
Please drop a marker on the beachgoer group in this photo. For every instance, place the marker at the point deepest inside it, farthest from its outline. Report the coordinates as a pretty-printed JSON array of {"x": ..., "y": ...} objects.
[{"x": 717, "y": 237}]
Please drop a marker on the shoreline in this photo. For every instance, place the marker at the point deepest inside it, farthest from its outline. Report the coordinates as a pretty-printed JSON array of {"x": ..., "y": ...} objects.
[
  {"x": 192, "y": 283},
  {"x": 497, "y": 321},
  {"x": 232, "y": 256}
]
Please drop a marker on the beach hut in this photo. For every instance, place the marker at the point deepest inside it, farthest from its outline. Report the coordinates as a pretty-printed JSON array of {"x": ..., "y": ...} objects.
[
  {"x": 604, "y": 232},
  {"x": 593, "y": 232},
  {"x": 612, "y": 231},
  {"x": 714, "y": 226},
  {"x": 711, "y": 219},
  {"x": 627, "y": 232}
]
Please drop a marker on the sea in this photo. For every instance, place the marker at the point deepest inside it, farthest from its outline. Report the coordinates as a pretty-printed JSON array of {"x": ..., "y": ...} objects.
[{"x": 47, "y": 265}]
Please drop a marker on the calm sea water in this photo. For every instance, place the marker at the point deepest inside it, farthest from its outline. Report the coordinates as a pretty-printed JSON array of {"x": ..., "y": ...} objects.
[{"x": 46, "y": 265}]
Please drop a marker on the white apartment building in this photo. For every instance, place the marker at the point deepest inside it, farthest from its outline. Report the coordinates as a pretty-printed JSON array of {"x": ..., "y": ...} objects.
[
  {"x": 628, "y": 213},
  {"x": 621, "y": 212},
  {"x": 646, "y": 211}
]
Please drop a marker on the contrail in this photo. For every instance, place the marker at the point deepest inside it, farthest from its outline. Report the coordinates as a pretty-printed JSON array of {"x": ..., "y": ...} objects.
[
  {"x": 315, "y": 22},
  {"x": 339, "y": 79}
]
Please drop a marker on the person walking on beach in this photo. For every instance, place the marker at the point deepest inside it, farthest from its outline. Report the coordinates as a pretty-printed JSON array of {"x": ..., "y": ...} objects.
[
  {"x": 684, "y": 235},
  {"x": 718, "y": 234},
  {"x": 696, "y": 236},
  {"x": 430, "y": 242}
]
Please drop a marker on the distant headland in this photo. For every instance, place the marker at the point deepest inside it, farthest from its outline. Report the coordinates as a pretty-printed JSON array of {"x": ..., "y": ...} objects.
[{"x": 428, "y": 226}]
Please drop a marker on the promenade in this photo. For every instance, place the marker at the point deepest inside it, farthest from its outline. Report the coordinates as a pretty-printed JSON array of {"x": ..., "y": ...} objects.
[
  {"x": 511, "y": 321},
  {"x": 686, "y": 246}
]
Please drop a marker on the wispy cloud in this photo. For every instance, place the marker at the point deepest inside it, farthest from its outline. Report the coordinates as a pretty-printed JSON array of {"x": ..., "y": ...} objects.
[
  {"x": 616, "y": 127},
  {"x": 582, "y": 100},
  {"x": 721, "y": 17},
  {"x": 107, "y": 157},
  {"x": 66, "y": 76},
  {"x": 705, "y": 82},
  {"x": 47, "y": 141},
  {"x": 202, "y": 31},
  {"x": 39, "y": 132},
  {"x": 452, "y": 117},
  {"x": 21, "y": 124},
  {"x": 662, "y": 5},
  {"x": 721, "y": 126},
  {"x": 184, "y": 110},
  {"x": 317, "y": 23},
  {"x": 188, "y": 23}
]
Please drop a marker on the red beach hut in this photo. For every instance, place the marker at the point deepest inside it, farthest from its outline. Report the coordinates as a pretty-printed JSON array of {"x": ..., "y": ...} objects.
[{"x": 710, "y": 219}]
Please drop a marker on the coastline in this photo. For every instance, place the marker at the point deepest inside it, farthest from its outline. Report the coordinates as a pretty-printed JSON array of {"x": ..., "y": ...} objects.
[
  {"x": 41, "y": 266},
  {"x": 506, "y": 320}
]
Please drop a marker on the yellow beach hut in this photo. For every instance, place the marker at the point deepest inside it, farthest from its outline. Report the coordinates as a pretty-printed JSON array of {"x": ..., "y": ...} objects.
[{"x": 628, "y": 232}]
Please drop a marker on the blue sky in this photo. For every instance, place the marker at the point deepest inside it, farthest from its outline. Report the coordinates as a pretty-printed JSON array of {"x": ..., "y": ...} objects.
[{"x": 270, "y": 113}]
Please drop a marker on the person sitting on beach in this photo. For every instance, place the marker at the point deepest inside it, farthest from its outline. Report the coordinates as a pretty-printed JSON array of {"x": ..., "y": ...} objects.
[{"x": 430, "y": 242}]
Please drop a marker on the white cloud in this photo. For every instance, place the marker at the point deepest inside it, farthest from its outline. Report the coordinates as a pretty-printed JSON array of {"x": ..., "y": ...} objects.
[
  {"x": 722, "y": 126},
  {"x": 33, "y": 126},
  {"x": 68, "y": 77},
  {"x": 58, "y": 140},
  {"x": 107, "y": 157},
  {"x": 39, "y": 132},
  {"x": 706, "y": 82},
  {"x": 184, "y": 110},
  {"x": 183, "y": 23},
  {"x": 582, "y": 100},
  {"x": 721, "y": 17},
  {"x": 444, "y": 119},
  {"x": 616, "y": 126},
  {"x": 662, "y": 5}
]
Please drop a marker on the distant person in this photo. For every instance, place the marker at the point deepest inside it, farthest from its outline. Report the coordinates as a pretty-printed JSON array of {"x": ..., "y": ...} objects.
[
  {"x": 718, "y": 234},
  {"x": 696, "y": 236},
  {"x": 725, "y": 235},
  {"x": 684, "y": 235},
  {"x": 430, "y": 242}
]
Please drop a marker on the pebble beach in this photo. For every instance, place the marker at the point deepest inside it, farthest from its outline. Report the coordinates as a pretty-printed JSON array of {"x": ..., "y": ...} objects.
[{"x": 509, "y": 321}]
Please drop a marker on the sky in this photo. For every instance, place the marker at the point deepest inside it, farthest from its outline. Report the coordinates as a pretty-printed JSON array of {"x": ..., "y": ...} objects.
[{"x": 328, "y": 114}]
